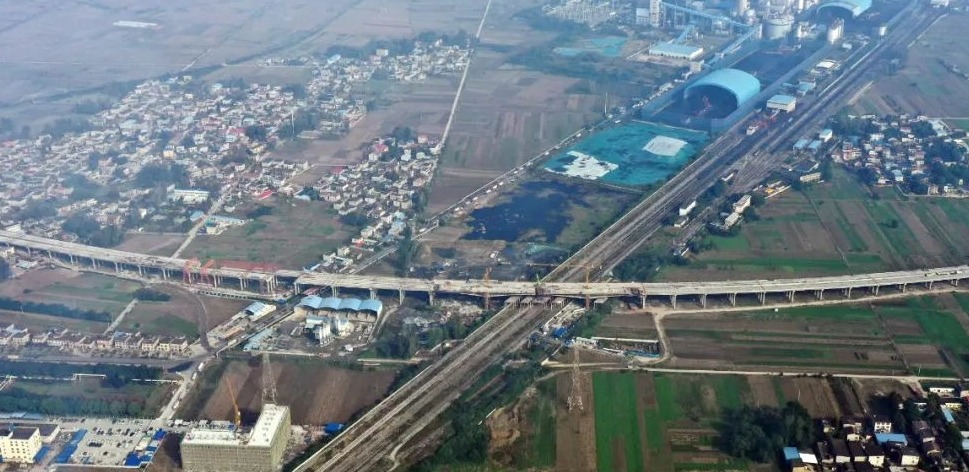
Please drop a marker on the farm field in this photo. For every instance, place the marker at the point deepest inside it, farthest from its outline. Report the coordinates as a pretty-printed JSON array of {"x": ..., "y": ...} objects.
[
  {"x": 927, "y": 334},
  {"x": 660, "y": 421},
  {"x": 153, "y": 244},
  {"x": 183, "y": 315},
  {"x": 507, "y": 113},
  {"x": 835, "y": 228},
  {"x": 627, "y": 325},
  {"x": 316, "y": 393},
  {"x": 924, "y": 85},
  {"x": 292, "y": 235},
  {"x": 82, "y": 291}
]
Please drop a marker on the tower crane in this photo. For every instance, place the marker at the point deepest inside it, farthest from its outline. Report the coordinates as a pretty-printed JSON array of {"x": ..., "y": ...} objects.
[{"x": 237, "y": 418}]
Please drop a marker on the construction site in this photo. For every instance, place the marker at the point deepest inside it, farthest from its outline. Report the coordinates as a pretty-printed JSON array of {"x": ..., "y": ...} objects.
[{"x": 230, "y": 446}]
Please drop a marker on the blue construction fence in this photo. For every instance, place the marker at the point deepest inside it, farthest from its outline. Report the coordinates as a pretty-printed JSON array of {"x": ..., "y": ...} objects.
[{"x": 65, "y": 455}]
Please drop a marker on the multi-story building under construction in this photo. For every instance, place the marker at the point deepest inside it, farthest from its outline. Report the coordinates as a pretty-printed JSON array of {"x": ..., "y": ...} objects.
[{"x": 258, "y": 450}]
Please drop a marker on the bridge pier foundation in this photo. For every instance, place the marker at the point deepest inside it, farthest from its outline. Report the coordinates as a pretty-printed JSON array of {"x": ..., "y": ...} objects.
[
  {"x": 703, "y": 300},
  {"x": 762, "y": 296},
  {"x": 733, "y": 299},
  {"x": 673, "y": 301}
]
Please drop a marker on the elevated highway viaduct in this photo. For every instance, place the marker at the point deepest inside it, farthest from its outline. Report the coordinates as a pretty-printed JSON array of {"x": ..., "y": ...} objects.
[
  {"x": 167, "y": 268},
  {"x": 386, "y": 429}
]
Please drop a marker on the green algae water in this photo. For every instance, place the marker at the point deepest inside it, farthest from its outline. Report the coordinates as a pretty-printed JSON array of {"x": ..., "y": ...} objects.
[{"x": 634, "y": 154}]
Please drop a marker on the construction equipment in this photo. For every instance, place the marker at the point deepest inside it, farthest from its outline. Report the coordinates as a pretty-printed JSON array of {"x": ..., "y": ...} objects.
[
  {"x": 268, "y": 381},
  {"x": 575, "y": 391},
  {"x": 205, "y": 275},
  {"x": 237, "y": 419},
  {"x": 588, "y": 276},
  {"x": 190, "y": 266}
]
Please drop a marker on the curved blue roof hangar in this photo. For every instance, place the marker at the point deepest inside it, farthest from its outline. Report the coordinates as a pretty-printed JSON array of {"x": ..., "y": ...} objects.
[
  {"x": 854, "y": 7},
  {"x": 738, "y": 83}
]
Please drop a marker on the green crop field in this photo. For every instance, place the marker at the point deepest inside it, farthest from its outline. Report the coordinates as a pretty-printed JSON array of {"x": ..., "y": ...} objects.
[
  {"x": 678, "y": 424},
  {"x": 618, "y": 429},
  {"x": 833, "y": 228},
  {"x": 541, "y": 453}
]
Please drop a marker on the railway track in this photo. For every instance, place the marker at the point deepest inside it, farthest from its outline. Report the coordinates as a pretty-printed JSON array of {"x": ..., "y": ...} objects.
[
  {"x": 625, "y": 236},
  {"x": 367, "y": 444}
]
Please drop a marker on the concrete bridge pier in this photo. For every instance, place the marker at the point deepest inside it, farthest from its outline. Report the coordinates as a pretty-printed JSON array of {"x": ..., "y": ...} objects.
[
  {"x": 642, "y": 301},
  {"x": 243, "y": 283},
  {"x": 762, "y": 296},
  {"x": 94, "y": 263},
  {"x": 820, "y": 295},
  {"x": 847, "y": 292},
  {"x": 733, "y": 299},
  {"x": 335, "y": 290},
  {"x": 71, "y": 257},
  {"x": 874, "y": 290},
  {"x": 430, "y": 297},
  {"x": 50, "y": 255},
  {"x": 902, "y": 287},
  {"x": 117, "y": 268},
  {"x": 930, "y": 285},
  {"x": 373, "y": 294},
  {"x": 673, "y": 301},
  {"x": 141, "y": 271},
  {"x": 703, "y": 300},
  {"x": 790, "y": 296},
  {"x": 400, "y": 294},
  {"x": 955, "y": 282},
  {"x": 164, "y": 274}
]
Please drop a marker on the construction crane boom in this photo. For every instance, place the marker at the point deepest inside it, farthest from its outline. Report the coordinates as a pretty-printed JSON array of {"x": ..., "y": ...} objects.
[{"x": 237, "y": 418}]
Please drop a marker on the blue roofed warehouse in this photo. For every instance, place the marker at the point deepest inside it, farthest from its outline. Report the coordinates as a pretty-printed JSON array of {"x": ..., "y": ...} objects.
[{"x": 726, "y": 88}]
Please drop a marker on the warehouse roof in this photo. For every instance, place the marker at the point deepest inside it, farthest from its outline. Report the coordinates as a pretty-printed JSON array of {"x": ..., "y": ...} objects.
[
  {"x": 673, "y": 49},
  {"x": 855, "y": 7},
  {"x": 334, "y": 303},
  {"x": 784, "y": 100},
  {"x": 742, "y": 85}
]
